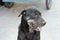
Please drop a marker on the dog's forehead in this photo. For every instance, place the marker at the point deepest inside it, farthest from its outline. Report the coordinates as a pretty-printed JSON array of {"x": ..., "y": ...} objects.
[
  {"x": 30, "y": 11},
  {"x": 31, "y": 14}
]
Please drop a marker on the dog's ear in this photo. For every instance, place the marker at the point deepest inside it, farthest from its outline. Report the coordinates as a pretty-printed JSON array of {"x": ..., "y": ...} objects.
[{"x": 22, "y": 13}]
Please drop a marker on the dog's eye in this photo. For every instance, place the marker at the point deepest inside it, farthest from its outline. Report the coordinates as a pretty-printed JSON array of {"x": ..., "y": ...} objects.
[{"x": 34, "y": 14}]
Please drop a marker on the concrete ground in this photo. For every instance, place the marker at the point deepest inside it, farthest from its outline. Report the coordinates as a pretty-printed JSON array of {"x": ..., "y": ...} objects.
[{"x": 9, "y": 22}]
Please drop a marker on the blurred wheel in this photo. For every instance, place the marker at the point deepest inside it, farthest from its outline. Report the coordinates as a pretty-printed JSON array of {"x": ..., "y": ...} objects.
[
  {"x": 48, "y": 4},
  {"x": 9, "y": 4},
  {"x": 1, "y": 3}
]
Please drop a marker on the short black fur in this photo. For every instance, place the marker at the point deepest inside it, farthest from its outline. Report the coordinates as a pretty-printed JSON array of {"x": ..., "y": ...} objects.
[{"x": 24, "y": 34}]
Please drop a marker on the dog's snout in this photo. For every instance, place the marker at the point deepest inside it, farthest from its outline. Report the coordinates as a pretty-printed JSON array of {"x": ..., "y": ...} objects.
[{"x": 44, "y": 23}]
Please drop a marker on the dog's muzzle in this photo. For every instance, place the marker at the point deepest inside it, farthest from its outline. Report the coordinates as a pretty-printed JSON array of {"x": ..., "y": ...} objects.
[{"x": 36, "y": 25}]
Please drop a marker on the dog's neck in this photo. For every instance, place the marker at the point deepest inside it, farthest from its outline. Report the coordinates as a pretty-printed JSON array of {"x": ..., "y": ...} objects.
[{"x": 24, "y": 26}]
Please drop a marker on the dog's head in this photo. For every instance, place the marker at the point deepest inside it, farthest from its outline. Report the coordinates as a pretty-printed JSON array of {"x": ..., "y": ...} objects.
[{"x": 33, "y": 19}]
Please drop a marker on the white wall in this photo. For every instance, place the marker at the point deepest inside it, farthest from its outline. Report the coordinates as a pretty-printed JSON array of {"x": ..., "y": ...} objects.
[{"x": 9, "y": 23}]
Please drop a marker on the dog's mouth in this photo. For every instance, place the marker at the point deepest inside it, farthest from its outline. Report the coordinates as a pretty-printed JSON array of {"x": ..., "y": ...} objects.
[{"x": 38, "y": 28}]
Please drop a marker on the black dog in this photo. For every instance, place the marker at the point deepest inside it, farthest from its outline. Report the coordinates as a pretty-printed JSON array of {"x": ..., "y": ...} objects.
[{"x": 31, "y": 22}]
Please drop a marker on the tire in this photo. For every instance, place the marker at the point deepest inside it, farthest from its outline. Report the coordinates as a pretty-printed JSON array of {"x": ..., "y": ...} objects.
[
  {"x": 48, "y": 4},
  {"x": 9, "y": 4},
  {"x": 1, "y": 3}
]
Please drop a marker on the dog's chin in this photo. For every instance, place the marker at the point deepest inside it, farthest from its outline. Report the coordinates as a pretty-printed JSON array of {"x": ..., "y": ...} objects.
[{"x": 38, "y": 28}]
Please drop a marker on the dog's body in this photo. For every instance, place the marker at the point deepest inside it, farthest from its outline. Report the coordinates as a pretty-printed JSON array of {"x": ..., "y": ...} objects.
[{"x": 30, "y": 24}]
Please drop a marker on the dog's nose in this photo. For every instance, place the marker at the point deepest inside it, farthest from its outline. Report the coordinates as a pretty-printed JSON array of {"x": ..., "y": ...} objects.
[{"x": 44, "y": 23}]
